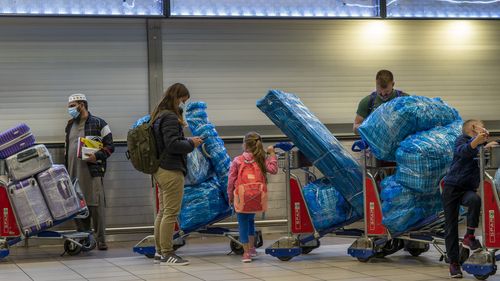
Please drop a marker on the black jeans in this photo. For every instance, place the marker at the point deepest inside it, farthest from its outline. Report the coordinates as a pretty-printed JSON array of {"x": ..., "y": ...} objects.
[{"x": 453, "y": 197}]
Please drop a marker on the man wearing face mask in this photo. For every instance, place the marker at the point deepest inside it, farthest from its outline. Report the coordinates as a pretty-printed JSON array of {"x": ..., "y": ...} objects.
[
  {"x": 90, "y": 172},
  {"x": 384, "y": 92}
]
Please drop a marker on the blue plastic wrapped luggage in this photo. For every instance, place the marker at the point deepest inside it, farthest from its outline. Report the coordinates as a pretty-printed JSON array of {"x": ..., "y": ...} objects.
[
  {"x": 199, "y": 168},
  {"x": 141, "y": 121},
  {"x": 317, "y": 143},
  {"x": 326, "y": 205},
  {"x": 403, "y": 208},
  {"x": 197, "y": 119},
  {"x": 395, "y": 120},
  {"x": 423, "y": 158},
  {"x": 202, "y": 204}
]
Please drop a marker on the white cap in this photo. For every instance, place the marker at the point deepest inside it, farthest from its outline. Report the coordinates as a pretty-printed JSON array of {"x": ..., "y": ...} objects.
[{"x": 77, "y": 97}]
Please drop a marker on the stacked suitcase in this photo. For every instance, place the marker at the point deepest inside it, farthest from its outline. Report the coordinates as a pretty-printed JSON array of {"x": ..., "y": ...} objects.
[{"x": 32, "y": 188}]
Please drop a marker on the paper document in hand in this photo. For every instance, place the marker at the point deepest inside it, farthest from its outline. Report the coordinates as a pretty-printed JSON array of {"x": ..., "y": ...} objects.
[{"x": 91, "y": 143}]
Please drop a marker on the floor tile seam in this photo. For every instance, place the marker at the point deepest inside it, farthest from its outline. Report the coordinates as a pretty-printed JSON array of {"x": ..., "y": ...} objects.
[
  {"x": 236, "y": 271},
  {"x": 29, "y": 276},
  {"x": 120, "y": 267},
  {"x": 332, "y": 269}
]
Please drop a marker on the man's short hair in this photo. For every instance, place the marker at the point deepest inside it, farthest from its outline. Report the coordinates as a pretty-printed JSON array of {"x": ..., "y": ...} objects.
[
  {"x": 384, "y": 78},
  {"x": 469, "y": 123}
]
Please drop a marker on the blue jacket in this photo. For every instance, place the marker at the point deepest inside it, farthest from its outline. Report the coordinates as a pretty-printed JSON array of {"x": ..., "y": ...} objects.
[{"x": 464, "y": 170}]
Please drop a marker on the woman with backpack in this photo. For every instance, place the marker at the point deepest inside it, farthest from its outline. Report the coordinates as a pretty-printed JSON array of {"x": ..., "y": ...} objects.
[
  {"x": 173, "y": 149},
  {"x": 247, "y": 189}
]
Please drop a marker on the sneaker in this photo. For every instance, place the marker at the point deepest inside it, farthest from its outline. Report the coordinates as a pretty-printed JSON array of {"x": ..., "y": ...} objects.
[
  {"x": 157, "y": 258},
  {"x": 246, "y": 258},
  {"x": 455, "y": 271},
  {"x": 252, "y": 252},
  {"x": 173, "y": 259},
  {"x": 470, "y": 242}
]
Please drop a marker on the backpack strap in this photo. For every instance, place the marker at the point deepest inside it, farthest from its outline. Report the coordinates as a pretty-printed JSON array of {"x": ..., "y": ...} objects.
[{"x": 373, "y": 96}]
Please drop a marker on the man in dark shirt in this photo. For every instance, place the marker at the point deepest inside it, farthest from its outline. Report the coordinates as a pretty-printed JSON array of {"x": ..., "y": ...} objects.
[
  {"x": 460, "y": 186},
  {"x": 384, "y": 92}
]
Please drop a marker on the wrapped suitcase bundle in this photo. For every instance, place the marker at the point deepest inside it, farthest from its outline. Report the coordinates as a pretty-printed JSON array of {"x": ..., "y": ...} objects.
[
  {"x": 393, "y": 121},
  {"x": 197, "y": 119},
  {"x": 59, "y": 192},
  {"x": 419, "y": 133},
  {"x": 317, "y": 143},
  {"x": 199, "y": 168},
  {"x": 201, "y": 204},
  {"x": 326, "y": 205},
  {"x": 28, "y": 202}
]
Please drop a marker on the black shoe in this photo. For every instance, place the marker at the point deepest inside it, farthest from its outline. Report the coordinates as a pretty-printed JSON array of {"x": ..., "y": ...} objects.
[
  {"x": 102, "y": 246},
  {"x": 455, "y": 270},
  {"x": 157, "y": 258},
  {"x": 470, "y": 242},
  {"x": 173, "y": 259}
]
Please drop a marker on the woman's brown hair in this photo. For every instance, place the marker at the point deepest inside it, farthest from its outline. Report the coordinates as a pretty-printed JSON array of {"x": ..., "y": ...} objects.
[
  {"x": 253, "y": 144},
  {"x": 171, "y": 101}
]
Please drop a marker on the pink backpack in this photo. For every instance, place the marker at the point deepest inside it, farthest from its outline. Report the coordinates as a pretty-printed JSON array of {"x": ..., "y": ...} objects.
[{"x": 250, "y": 193}]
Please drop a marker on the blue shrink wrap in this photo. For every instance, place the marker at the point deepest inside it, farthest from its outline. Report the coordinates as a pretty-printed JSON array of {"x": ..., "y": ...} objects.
[
  {"x": 199, "y": 168},
  {"x": 395, "y": 120},
  {"x": 326, "y": 205},
  {"x": 307, "y": 132},
  {"x": 197, "y": 119},
  {"x": 423, "y": 158},
  {"x": 202, "y": 204}
]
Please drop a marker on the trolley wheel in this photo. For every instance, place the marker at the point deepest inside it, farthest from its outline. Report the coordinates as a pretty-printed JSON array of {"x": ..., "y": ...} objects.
[
  {"x": 285, "y": 258},
  {"x": 71, "y": 248},
  {"x": 364, "y": 259},
  {"x": 482, "y": 277},
  {"x": 464, "y": 255},
  {"x": 391, "y": 247},
  {"x": 307, "y": 249},
  {"x": 149, "y": 256},
  {"x": 236, "y": 248},
  {"x": 89, "y": 244},
  {"x": 178, "y": 245},
  {"x": 418, "y": 251}
]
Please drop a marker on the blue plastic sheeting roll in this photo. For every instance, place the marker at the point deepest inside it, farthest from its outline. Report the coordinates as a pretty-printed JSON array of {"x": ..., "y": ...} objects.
[
  {"x": 201, "y": 204},
  {"x": 402, "y": 208},
  {"x": 424, "y": 158},
  {"x": 317, "y": 143},
  {"x": 393, "y": 121},
  {"x": 197, "y": 119},
  {"x": 326, "y": 205},
  {"x": 199, "y": 168}
]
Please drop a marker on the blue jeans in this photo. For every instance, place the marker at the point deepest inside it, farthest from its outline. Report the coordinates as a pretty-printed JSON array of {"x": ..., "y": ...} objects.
[{"x": 246, "y": 224}]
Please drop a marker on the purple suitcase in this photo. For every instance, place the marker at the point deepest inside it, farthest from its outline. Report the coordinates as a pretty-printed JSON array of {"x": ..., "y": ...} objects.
[
  {"x": 31, "y": 210},
  {"x": 15, "y": 139},
  {"x": 59, "y": 192}
]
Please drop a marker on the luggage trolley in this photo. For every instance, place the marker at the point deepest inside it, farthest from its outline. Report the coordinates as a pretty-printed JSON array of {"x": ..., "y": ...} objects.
[
  {"x": 302, "y": 237},
  {"x": 146, "y": 246},
  {"x": 75, "y": 242},
  {"x": 483, "y": 264},
  {"x": 377, "y": 241}
]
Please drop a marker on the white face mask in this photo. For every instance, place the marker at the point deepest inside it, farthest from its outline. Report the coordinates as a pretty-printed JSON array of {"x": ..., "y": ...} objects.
[{"x": 182, "y": 106}]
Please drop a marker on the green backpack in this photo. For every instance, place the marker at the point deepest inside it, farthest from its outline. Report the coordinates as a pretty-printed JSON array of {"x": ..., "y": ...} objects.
[{"x": 142, "y": 150}]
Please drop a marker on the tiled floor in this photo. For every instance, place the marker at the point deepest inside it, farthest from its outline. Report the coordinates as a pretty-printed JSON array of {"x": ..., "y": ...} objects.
[{"x": 209, "y": 261}]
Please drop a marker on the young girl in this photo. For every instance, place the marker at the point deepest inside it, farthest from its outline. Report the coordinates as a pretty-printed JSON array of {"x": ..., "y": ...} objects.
[{"x": 254, "y": 156}]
